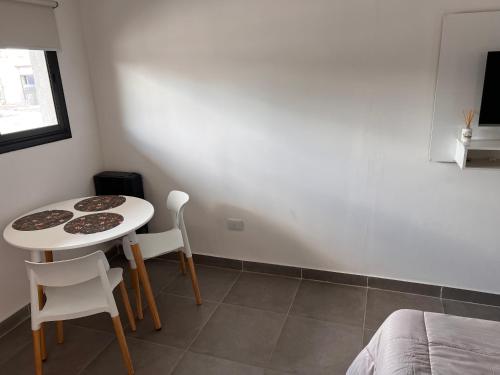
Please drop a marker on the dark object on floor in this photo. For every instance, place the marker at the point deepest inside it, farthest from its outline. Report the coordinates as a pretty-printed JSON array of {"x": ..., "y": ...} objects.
[{"x": 120, "y": 183}]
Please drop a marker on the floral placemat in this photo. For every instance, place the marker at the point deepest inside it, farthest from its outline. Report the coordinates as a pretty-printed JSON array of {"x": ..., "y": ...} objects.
[
  {"x": 100, "y": 203},
  {"x": 93, "y": 223},
  {"x": 42, "y": 220}
]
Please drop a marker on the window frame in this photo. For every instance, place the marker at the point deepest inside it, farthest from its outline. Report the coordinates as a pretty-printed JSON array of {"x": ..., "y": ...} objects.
[{"x": 47, "y": 134}]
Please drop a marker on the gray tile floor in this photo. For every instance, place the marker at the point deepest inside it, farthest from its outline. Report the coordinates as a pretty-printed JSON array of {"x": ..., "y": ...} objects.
[{"x": 249, "y": 323}]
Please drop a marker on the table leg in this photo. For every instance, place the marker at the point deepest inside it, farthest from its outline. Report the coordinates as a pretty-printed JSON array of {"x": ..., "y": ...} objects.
[{"x": 144, "y": 279}]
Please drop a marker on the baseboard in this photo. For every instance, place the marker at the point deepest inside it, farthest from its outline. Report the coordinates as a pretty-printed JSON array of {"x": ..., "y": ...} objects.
[
  {"x": 14, "y": 320},
  {"x": 352, "y": 279}
]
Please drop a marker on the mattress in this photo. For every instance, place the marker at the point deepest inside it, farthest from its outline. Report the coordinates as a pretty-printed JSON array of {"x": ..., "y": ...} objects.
[{"x": 417, "y": 342}]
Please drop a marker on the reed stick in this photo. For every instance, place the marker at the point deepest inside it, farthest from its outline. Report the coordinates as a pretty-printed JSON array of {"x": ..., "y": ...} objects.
[{"x": 469, "y": 117}]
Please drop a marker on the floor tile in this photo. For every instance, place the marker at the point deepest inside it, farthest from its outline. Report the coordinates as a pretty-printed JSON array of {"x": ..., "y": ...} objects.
[
  {"x": 13, "y": 341},
  {"x": 266, "y": 292},
  {"x": 214, "y": 283},
  {"x": 147, "y": 358},
  {"x": 80, "y": 346},
  {"x": 367, "y": 335},
  {"x": 241, "y": 334},
  {"x": 471, "y": 310},
  {"x": 181, "y": 320},
  {"x": 200, "y": 364},
  {"x": 308, "y": 346},
  {"x": 161, "y": 274},
  {"x": 381, "y": 303},
  {"x": 331, "y": 302}
]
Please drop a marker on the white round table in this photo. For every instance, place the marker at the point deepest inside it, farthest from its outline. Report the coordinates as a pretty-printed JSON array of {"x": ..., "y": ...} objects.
[{"x": 135, "y": 211}]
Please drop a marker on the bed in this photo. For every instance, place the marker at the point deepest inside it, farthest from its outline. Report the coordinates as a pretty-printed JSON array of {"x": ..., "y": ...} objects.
[{"x": 417, "y": 342}]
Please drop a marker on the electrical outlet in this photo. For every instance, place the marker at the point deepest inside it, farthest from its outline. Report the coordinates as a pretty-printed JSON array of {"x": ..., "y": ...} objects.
[{"x": 235, "y": 224}]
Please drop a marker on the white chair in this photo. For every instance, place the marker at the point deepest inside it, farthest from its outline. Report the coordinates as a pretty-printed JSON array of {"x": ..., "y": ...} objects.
[
  {"x": 155, "y": 244},
  {"x": 76, "y": 288}
]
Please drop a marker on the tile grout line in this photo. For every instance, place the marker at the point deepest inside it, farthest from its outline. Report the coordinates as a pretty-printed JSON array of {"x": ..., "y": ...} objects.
[
  {"x": 398, "y": 291},
  {"x": 16, "y": 352},
  {"x": 91, "y": 360},
  {"x": 354, "y": 286},
  {"x": 272, "y": 274},
  {"x": 181, "y": 357},
  {"x": 15, "y": 326},
  {"x": 284, "y": 322},
  {"x": 364, "y": 318},
  {"x": 471, "y": 303}
]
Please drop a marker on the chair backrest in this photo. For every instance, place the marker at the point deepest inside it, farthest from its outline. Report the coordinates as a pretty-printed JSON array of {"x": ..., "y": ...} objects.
[
  {"x": 176, "y": 200},
  {"x": 68, "y": 272}
]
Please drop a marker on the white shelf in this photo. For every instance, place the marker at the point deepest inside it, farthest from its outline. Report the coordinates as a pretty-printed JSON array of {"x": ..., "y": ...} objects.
[
  {"x": 478, "y": 154},
  {"x": 492, "y": 145}
]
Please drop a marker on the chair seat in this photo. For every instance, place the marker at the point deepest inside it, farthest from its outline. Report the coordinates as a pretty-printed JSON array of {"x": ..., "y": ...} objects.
[
  {"x": 156, "y": 244},
  {"x": 78, "y": 300}
]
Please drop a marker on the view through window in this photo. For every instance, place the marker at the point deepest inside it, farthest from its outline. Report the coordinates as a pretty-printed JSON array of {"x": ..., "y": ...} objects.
[{"x": 26, "y": 100}]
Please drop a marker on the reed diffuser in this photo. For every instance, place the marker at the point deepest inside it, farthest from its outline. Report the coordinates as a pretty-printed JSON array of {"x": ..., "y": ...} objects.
[{"x": 467, "y": 131}]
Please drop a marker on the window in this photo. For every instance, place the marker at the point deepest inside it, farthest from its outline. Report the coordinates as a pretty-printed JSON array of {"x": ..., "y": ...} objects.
[{"x": 32, "y": 105}]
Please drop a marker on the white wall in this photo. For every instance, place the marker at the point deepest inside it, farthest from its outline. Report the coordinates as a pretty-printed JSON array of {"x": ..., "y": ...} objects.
[
  {"x": 40, "y": 175},
  {"x": 308, "y": 119}
]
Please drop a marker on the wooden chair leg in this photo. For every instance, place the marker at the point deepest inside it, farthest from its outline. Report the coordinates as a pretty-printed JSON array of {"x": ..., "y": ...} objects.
[
  {"x": 49, "y": 257},
  {"x": 120, "y": 336},
  {"x": 146, "y": 284},
  {"x": 194, "y": 280},
  {"x": 60, "y": 331},
  {"x": 128, "y": 308},
  {"x": 37, "y": 351},
  {"x": 137, "y": 290},
  {"x": 43, "y": 346},
  {"x": 182, "y": 262}
]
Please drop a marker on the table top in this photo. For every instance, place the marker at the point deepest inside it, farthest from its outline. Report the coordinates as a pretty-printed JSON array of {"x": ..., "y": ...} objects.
[{"x": 135, "y": 212}]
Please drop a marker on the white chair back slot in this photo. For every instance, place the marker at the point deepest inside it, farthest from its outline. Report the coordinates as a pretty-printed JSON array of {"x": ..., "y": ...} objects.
[{"x": 68, "y": 272}]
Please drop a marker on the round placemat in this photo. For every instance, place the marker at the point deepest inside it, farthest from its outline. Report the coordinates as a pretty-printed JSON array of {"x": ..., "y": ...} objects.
[
  {"x": 42, "y": 220},
  {"x": 93, "y": 223},
  {"x": 100, "y": 203}
]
